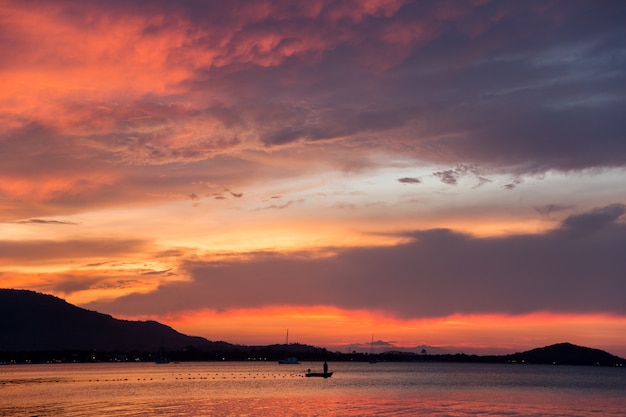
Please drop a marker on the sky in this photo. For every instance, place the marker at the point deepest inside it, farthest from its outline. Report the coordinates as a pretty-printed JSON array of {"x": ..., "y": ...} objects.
[{"x": 421, "y": 173}]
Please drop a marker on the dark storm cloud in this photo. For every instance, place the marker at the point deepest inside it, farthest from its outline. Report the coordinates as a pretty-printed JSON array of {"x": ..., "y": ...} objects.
[{"x": 575, "y": 268}]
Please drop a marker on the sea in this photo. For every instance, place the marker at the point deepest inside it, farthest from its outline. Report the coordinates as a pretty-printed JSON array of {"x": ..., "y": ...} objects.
[{"x": 263, "y": 388}]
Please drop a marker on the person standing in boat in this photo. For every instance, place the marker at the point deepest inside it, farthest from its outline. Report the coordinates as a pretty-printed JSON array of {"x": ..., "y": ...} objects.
[{"x": 325, "y": 367}]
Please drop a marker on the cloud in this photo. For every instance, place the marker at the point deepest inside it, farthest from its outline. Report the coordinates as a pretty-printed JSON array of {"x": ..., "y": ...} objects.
[
  {"x": 70, "y": 283},
  {"x": 126, "y": 104},
  {"x": 514, "y": 183},
  {"x": 594, "y": 220},
  {"x": 43, "y": 221},
  {"x": 548, "y": 209},
  {"x": 452, "y": 176},
  {"x": 522, "y": 87},
  {"x": 448, "y": 176},
  {"x": 163, "y": 272},
  {"x": 154, "y": 94},
  {"x": 281, "y": 206},
  {"x": 103, "y": 283},
  {"x": 73, "y": 249},
  {"x": 410, "y": 180},
  {"x": 438, "y": 273}
]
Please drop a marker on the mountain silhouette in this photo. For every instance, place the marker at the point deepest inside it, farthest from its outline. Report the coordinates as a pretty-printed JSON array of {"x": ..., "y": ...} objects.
[
  {"x": 30, "y": 321},
  {"x": 35, "y": 322},
  {"x": 566, "y": 354}
]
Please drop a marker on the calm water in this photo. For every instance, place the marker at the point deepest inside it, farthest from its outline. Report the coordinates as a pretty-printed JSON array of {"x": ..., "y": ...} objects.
[{"x": 269, "y": 389}]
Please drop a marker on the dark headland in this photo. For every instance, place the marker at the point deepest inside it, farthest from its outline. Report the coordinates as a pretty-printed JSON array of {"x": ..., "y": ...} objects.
[{"x": 36, "y": 327}]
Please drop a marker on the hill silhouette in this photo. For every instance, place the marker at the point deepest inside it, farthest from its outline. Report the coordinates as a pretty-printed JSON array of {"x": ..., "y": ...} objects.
[
  {"x": 35, "y": 322},
  {"x": 566, "y": 354},
  {"x": 31, "y": 321}
]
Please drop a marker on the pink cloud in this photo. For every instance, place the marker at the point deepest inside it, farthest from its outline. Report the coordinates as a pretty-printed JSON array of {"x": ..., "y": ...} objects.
[{"x": 145, "y": 84}]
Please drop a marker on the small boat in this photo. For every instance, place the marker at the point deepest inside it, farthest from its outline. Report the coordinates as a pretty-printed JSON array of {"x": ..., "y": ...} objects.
[
  {"x": 161, "y": 358},
  {"x": 289, "y": 361},
  {"x": 372, "y": 359},
  {"x": 319, "y": 374}
]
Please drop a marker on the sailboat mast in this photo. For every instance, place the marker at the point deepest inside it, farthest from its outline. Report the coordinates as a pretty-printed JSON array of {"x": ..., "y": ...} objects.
[{"x": 372, "y": 360}]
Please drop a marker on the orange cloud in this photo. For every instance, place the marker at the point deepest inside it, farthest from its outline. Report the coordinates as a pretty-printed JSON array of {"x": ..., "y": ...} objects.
[
  {"x": 42, "y": 188},
  {"x": 107, "y": 281}
]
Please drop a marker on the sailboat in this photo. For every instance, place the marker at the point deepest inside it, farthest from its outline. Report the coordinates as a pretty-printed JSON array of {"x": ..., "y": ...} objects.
[
  {"x": 372, "y": 359},
  {"x": 292, "y": 360},
  {"x": 160, "y": 358}
]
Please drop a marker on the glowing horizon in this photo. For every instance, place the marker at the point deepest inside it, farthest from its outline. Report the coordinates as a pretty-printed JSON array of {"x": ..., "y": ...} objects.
[{"x": 326, "y": 327}]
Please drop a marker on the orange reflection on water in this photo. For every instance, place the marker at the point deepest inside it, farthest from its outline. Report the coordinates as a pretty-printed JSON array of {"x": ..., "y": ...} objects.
[{"x": 264, "y": 388}]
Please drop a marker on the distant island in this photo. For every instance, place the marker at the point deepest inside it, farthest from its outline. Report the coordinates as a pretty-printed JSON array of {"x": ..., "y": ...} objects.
[{"x": 36, "y": 328}]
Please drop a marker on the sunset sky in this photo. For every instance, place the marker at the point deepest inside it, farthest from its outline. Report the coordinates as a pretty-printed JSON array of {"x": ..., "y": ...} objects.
[{"x": 442, "y": 173}]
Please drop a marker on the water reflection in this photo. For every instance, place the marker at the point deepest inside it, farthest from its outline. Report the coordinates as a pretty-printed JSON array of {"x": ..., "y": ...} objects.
[{"x": 194, "y": 389}]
